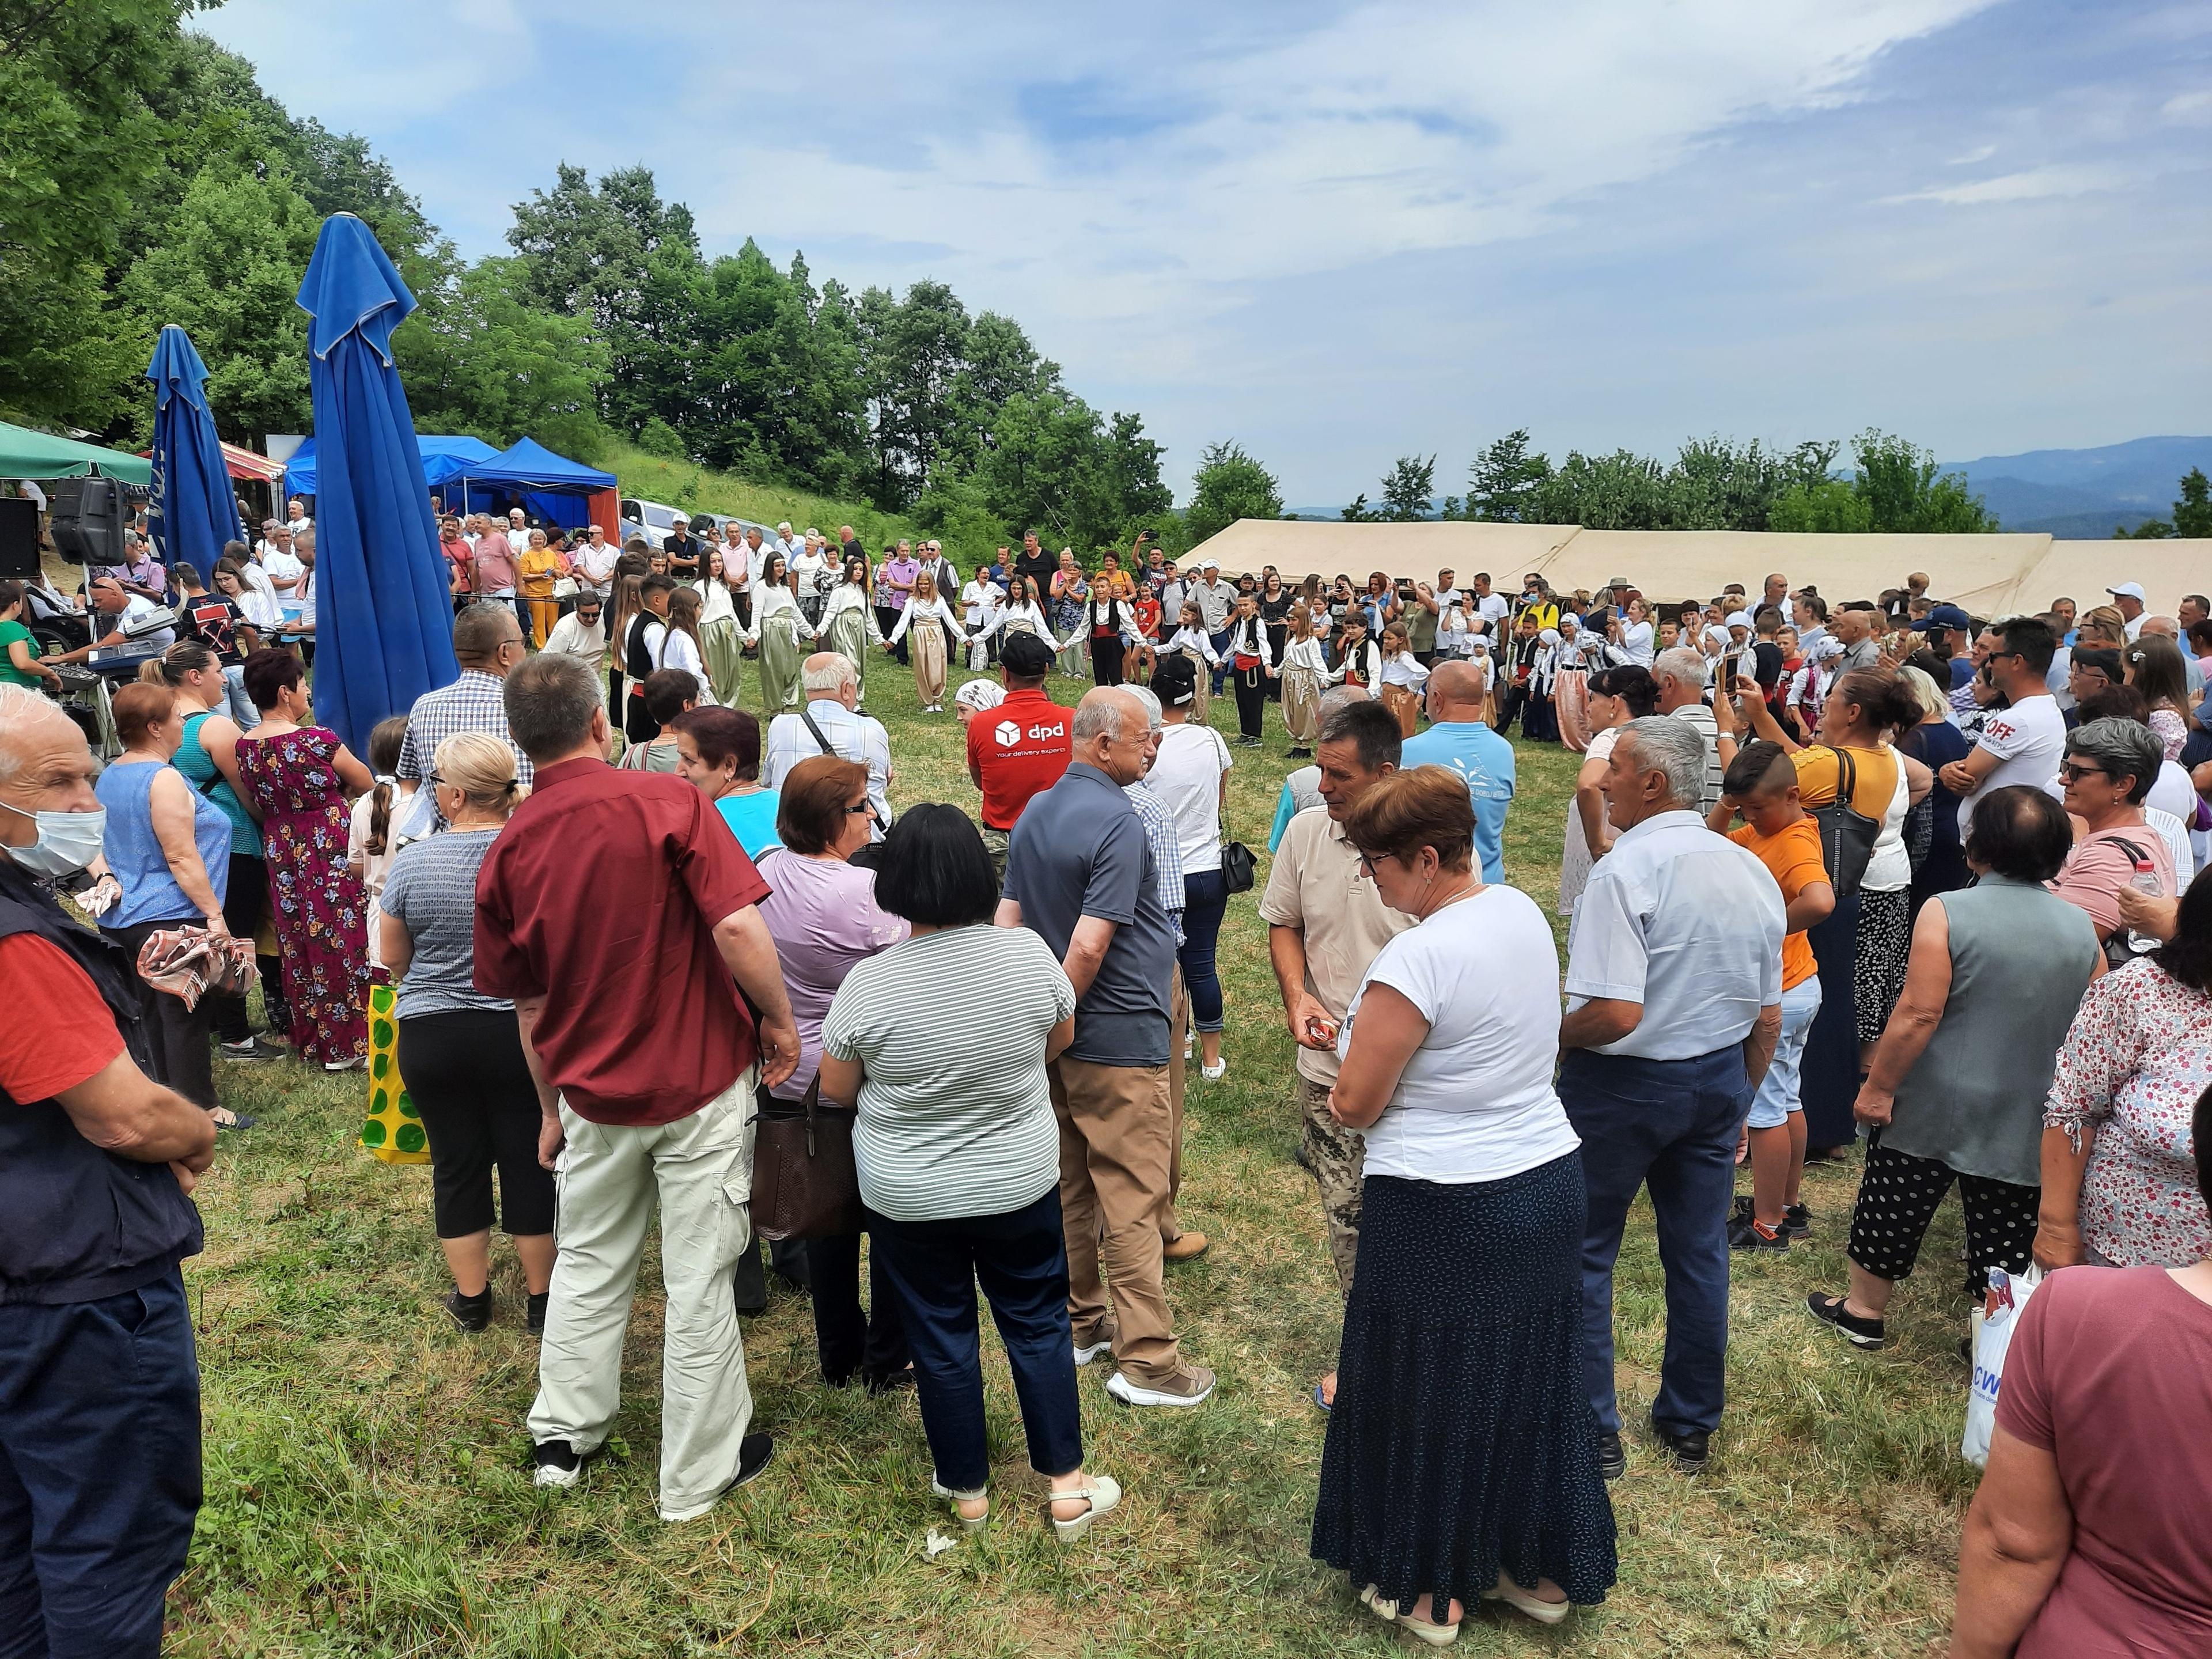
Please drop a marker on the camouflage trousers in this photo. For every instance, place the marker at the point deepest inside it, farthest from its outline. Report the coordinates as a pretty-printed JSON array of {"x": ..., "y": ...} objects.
[{"x": 1337, "y": 1155}]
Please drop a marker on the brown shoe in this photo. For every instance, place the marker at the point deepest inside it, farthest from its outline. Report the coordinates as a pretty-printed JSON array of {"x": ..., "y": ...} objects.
[
  {"x": 1188, "y": 1387},
  {"x": 1188, "y": 1246}
]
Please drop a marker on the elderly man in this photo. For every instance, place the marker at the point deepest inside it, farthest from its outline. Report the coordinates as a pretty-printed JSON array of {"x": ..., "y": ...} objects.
[
  {"x": 2128, "y": 598},
  {"x": 664, "y": 938},
  {"x": 1855, "y": 628},
  {"x": 1302, "y": 788},
  {"x": 488, "y": 641},
  {"x": 1681, "y": 675},
  {"x": 1215, "y": 599},
  {"x": 1459, "y": 738},
  {"x": 1326, "y": 923},
  {"x": 1082, "y": 877},
  {"x": 99, "y": 1406},
  {"x": 1775, "y": 590},
  {"x": 279, "y": 562},
  {"x": 114, "y": 610},
  {"x": 1673, "y": 1007},
  {"x": 827, "y": 722},
  {"x": 592, "y": 564}
]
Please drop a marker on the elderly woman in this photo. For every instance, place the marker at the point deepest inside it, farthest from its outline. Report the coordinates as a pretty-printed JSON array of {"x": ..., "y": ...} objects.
[
  {"x": 2118, "y": 1187},
  {"x": 1615, "y": 697},
  {"x": 1462, "y": 1454},
  {"x": 1959, "y": 1078},
  {"x": 959, "y": 1157},
  {"x": 169, "y": 846},
  {"x": 2088, "y": 1532},
  {"x": 2111, "y": 764},
  {"x": 822, "y": 914},
  {"x": 718, "y": 751},
  {"x": 460, "y": 1050}
]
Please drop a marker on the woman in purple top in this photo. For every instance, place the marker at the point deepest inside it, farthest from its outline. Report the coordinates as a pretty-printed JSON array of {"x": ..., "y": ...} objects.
[
  {"x": 899, "y": 576},
  {"x": 822, "y": 914}
]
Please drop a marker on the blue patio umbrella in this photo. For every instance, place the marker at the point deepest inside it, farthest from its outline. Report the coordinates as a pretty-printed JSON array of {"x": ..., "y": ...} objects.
[
  {"x": 194, "y": 509},
  {"x": 383, "y": 620}
]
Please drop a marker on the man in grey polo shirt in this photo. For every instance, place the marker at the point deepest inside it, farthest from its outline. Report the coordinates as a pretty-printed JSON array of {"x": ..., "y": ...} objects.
[{"x": 1081, "y": 875}]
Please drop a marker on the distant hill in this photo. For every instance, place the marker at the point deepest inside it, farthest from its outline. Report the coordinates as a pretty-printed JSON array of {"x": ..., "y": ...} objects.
[{"x": 2085, "y": 494}]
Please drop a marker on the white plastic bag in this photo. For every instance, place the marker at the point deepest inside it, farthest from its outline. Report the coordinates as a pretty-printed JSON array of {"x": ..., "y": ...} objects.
[{"x": 1995, "y": 1322}]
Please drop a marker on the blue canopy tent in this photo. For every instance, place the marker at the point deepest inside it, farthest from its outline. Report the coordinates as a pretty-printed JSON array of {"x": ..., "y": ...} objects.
[
  {"x": 194, "y": 510},
  {"x": 443, "y": 460},
  {"x": 548, "y": 487},
  {"x": 383, "y": 619}
]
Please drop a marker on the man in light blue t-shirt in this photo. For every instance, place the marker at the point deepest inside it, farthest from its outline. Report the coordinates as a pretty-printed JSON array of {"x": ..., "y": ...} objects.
[{"x": 1459, "y": 738}]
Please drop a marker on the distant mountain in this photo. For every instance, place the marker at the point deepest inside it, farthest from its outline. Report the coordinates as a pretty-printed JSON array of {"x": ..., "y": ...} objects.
[{"x": 2085, "y": 494}]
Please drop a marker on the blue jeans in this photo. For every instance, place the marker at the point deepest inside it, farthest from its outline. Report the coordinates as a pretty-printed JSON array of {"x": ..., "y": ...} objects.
[
  {"x": 1206, "y": 900},
  {"x": 1221, "y": 642},
  {"x": 1021, "y": 1260},
  {"x": 1671, "y": 1125},
  {"x": 240, "y": 707},
  {"x": 99, "y": 1471}
]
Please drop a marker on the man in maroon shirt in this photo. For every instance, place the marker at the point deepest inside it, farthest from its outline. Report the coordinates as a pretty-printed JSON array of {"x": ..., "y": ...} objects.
[
  {"x": 645, "y": 1056},
  {"x": 1019, "y": 749}
]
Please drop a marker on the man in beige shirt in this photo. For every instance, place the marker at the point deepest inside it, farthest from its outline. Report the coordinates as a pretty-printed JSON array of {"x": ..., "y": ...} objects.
[{"x": 1325, "y": 924}]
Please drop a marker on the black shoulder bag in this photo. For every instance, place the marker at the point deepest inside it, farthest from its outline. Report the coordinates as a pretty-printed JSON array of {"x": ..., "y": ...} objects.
[{"x": 1847, "y": 835}]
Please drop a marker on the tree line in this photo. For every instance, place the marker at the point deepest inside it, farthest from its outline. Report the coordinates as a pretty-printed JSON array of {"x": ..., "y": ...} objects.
[{"x": 152, "y": 180}]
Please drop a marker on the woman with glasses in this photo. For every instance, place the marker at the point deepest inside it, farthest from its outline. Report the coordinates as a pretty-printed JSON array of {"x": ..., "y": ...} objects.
[{"x": 821, "y": 911}]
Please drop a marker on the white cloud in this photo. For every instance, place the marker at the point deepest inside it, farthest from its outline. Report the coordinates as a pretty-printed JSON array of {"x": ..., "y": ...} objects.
[{"x": 2034, "y": 185}]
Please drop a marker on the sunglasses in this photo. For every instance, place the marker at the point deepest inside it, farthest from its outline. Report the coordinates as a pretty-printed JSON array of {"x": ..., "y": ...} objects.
[
  {"x": 2074, "y": 774},
  {"x": 866, "y": 808}
]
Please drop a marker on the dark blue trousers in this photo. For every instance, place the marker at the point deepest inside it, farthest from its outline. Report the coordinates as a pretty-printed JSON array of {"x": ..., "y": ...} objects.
[
  {"x": 847, "y": 1338},
  {"x": 1670, "y": 1125},
  {"x": 1020, "y": 1259},
  {"x": 99, "y": 1471}
]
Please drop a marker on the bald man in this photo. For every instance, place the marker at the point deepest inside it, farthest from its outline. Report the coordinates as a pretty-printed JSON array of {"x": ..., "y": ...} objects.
[{"x": 1461, "y": 739}]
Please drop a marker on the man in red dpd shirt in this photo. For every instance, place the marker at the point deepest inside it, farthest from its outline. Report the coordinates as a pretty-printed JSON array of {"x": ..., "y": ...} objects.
[
  {"x": 645, "y": 1056},
  {"x": 1019, "y": 749}
]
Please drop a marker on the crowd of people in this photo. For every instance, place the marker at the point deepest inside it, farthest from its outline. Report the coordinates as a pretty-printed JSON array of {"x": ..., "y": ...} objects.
[{"x": 1880, "y": 872}]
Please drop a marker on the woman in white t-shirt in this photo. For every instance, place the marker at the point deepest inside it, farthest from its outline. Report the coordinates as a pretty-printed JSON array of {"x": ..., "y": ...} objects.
[
  {"x": 1191, "y": 779},
  {"x": 1616, "y": 695},
  {"x": 1461, "y": 1462}
]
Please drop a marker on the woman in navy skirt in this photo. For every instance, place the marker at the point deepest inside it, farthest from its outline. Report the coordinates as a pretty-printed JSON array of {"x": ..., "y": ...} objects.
[{"x": 1462, "y": 1455}]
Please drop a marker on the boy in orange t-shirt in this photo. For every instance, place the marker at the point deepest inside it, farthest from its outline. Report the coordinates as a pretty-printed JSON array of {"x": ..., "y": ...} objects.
[{"x": 1761, "y": 786}]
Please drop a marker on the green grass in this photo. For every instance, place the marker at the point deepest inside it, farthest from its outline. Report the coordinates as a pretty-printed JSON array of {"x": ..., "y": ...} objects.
[
  {"x": 367, "y": 1468},
  {"x": 683, "y": 484}
]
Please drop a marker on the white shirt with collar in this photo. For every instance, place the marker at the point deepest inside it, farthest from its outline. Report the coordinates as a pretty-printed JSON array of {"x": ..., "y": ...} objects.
[
  {"x": 852, "y": 736},
  {"x": 1685, "y": 922},
  {"x": 135, "y": 605}
]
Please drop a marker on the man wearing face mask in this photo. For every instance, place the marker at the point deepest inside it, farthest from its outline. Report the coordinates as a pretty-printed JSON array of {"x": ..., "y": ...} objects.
[{"x": 99, "y": 1439}]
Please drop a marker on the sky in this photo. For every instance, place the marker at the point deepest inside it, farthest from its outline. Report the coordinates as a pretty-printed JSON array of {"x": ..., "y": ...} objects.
[{"x": 1340, "y": 233}]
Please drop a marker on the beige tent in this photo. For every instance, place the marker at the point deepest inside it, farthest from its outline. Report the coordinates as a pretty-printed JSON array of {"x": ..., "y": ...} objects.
[
  {"x": 1978, "y": 572},
  {"x": 2083, "y": 571},
  {"x": 1328, "y": 547}
]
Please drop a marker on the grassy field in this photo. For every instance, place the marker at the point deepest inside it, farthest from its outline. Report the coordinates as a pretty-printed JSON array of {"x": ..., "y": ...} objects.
[{"x": 369, "y": 1472}]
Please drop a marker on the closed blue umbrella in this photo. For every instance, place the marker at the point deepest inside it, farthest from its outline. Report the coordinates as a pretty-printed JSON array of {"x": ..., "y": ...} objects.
[
  {"x": 383, "y": 619},
  {"x": 194, "y": 509}
]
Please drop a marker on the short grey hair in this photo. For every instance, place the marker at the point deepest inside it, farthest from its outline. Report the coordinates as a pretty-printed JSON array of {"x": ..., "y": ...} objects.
[
  {"x": 1663, "y": 743},
  {"x": 549, "y": 700},
  {"x": 1150, "y": 698},
  {"x": 1682, "y": 666},
  {"x": 1338, "y": 696},
  {"x": 23, "y": 710},
  {"x": 1101, "y": 713},
  {"x": 831, "y": 676},
  {"x": 2123, "y": 749}
]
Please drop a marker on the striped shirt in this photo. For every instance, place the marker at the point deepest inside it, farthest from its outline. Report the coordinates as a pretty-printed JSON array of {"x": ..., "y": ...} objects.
[
  {"x": 955, "y": 1115},
  {"x": 1160, "y": 831},
  {"x": 474, "y": 702}
]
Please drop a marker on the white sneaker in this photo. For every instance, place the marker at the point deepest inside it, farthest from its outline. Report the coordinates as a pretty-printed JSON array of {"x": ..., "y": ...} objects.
[
  {"x": 1198, "y": 1382},
  {"x": 1214, "y": 1072},
  {"x": 1087, "y": 1352}
]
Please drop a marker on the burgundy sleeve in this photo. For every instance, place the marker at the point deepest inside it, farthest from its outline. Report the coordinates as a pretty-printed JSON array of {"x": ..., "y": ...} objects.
[{"x": 502, "y": 968}]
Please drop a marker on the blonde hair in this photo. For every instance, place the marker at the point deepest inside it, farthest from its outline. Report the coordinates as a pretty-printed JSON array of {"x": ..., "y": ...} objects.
[
  {"x": 1933, "y": 703},
  {"x": 482, "y": 766}
]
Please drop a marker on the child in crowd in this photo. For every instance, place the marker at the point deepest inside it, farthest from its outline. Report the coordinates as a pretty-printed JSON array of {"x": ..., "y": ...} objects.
[
  {"x": 1357, "y": 656},
  {"x": 668, "y": 693},
  {"x": 1252, "y": 660},
  {"x": 1761, "y": 787},
  {"x": 1191, "y": 639},
  {"x": 369, "y": 837},
  {"x": 1403, "y": 676},
  {"x": 1305, "y": 671}
]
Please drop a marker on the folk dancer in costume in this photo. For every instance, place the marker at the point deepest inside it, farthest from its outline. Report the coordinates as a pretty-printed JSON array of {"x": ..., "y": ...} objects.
[
  {"x": 1571, "y": 684},
  {"x": 933, "y": 626},
  {"x": 722, "y": 635},
  {"x": 1191, "y": 640},
  {"x": 849, "y": 621},
  {"x": 1403, "y": 676},
  {"x": 1305, "y": 671},
  {"x": 778, "y": 624},
  {"x": 1251, "y": 662}
]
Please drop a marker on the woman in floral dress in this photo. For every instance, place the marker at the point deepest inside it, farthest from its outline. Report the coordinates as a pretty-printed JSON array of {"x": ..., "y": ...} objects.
[
  {"x": 2119, "y": 1185},
  {"x": 298, "y": 779}
]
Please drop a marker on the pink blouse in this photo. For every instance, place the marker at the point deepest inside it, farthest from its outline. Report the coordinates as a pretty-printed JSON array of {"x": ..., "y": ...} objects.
[{"x": 2138, "y": 1057}]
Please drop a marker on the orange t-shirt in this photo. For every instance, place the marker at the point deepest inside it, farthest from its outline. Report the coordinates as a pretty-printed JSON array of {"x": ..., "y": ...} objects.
[{"x": 1793, "y": 859}]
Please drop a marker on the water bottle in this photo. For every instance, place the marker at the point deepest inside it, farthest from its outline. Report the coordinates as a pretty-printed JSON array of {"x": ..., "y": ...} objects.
[{"x": 2144, "y": 880}]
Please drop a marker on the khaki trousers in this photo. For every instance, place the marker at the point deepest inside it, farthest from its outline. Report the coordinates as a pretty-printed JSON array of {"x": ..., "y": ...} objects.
[
  {"x": 1338, "y": 1157},
  {"x": 699, "y": 1169},
  {"x": 1178, "y": 1028},
  {"x": 1112, "y": 1180}
]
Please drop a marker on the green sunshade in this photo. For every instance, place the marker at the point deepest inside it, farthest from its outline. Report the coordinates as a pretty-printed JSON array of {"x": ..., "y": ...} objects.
[{"x": 27, "y": 454}]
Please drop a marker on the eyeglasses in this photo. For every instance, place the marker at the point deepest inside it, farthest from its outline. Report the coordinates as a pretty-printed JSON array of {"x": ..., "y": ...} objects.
[
  {"x": 866, "y": 808},
  {"x": 2074, "y": 774}
]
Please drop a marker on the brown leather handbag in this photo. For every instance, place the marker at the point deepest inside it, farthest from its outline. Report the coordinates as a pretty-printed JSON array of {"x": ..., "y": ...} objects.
[{"x": 805, "y": 1184}]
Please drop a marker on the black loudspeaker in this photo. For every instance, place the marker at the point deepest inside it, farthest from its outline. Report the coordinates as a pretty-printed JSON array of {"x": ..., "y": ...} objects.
[
  {"x": 87, "y": 520},
  {"x": 19, "y": 539}
]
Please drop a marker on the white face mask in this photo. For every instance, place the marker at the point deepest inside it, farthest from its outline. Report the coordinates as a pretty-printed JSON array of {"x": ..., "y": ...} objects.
[{"x": 67, "y": 841}]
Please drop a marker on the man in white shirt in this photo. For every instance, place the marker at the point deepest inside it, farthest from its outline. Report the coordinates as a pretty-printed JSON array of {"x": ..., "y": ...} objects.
[
  {"x": 114, "y": 610},
  {"x": 2129, "y": 597},
  {"x": 593, "y": 563},
  {"x": 296, "y": 516},
  {"x": 518, "y": 531},
  {"x": 2023, "y": 741},
  {"x": 1493, "y": 608},
  {"x": 828, "y": 723},
  {"x": 1674, "y": 1005},
  {"x": 280, "y": 562}
]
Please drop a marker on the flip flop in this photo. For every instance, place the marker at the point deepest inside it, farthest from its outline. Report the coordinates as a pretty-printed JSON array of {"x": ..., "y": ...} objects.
[{"x": 1322, "y": 1400}]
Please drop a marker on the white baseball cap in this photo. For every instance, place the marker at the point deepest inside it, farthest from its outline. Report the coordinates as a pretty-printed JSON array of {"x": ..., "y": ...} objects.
[
  {"x": 976, "y": 696},
  {"x": 1741, "y": 619},
  {"x": 2129, "y": 591},
  {"x": 1210, "y": 564}
]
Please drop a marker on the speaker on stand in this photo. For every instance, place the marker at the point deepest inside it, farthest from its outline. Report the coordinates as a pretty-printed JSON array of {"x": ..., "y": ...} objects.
[
  {"x": 19, "y": 539},
  {"x": 88, "y": 516}
]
